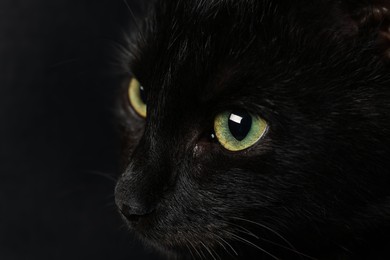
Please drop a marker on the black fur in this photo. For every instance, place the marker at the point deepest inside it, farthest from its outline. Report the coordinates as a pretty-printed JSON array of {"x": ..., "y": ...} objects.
[{"x": 316, "y": 185}]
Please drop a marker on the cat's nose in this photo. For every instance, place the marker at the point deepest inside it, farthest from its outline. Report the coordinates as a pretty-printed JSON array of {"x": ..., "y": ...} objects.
[
  {"x": 139, "y": 190},
  {"x": 133, "y": 210},
  {"x": 134, "y": 199}
]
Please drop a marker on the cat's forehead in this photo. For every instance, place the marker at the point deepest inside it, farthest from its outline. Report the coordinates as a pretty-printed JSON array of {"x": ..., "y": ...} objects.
[{"x": 204, "y": 46}]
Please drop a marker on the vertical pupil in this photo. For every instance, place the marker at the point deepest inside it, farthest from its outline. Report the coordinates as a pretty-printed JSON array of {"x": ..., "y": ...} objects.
[
  {"x": 240, "y": 123},
  {"x": 142, "y": 94}
]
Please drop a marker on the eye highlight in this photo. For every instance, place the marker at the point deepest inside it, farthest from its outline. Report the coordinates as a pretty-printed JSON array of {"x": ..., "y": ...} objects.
[
  {"x": 137, "y": 97},
  {"x": 238, "y": 130}
]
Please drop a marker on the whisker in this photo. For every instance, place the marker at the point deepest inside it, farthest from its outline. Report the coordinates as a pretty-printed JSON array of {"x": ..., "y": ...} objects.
[
  {"x": 228, "y": 244},
  {"x": 110, "y": 205},
  {"x": 197, "y": 252},
  {"x": 103, "y": 174},
  {"x": 239, "y": 238},
  {"x": 287, "y": 248},
  {"x": 247, "y": 232},
  {"x": 121, "y": 47},
  {"x": 242, "y": 229},
  {"x": 267, "y": 228},
  {"x": 290, "y": 246},
  {"x": 203, "y": 255},
  {"x": 222, "y": 246},
  {"x": 189, "y": 249},
  {"x": 134, "y": 20},
  {"x": 208, "y": 250},
  {"x": 215, "y": 253}
]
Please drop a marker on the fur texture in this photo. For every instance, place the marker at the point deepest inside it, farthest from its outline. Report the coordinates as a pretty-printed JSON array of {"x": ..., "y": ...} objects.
[{"x": 317, "y": 184}]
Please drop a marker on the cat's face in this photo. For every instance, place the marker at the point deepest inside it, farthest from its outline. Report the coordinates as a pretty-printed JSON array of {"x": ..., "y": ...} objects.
[{"x": 245, "y": 126}]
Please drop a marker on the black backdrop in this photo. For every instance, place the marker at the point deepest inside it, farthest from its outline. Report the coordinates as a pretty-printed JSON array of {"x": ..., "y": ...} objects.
[{"x": 57, "y": 131}]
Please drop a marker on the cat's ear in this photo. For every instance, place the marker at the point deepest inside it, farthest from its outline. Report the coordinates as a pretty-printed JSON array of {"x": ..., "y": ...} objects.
[{"x": 373, "y": 15}]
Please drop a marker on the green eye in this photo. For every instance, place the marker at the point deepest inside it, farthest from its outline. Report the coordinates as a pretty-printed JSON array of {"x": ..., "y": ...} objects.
[
  {"x": 137, "y": 97},
  {"x": 238, "y": 130}
]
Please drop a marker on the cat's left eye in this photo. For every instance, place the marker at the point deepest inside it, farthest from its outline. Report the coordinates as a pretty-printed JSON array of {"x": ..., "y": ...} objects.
[
  {"x": 137, "y": 97},
  {"x": 239, "y": 130}
]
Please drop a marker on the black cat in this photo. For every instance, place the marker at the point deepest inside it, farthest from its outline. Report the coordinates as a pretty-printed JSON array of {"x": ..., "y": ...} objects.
[{"x": 259, "y": 129}]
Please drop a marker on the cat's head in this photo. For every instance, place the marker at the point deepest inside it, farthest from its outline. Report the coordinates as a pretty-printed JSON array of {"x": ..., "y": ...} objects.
[{"x": 255, "y": 122}]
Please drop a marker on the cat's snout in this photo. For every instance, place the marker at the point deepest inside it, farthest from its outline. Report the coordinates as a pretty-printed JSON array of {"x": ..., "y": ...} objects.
[
  {"x": 140, "y": 188},
  {"x": 131, "y": 201},
  {"x": 133, "y": 209},
  {"x": 133, "y": 214}
]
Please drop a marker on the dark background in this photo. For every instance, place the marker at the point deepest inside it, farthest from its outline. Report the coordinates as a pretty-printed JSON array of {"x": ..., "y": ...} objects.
[{"x": 57, "y": 132}]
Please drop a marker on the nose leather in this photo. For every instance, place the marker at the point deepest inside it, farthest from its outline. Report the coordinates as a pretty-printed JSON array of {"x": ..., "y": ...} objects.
[
  {"x": 133, "y": 214},
  {"x": 133, "y": 200}
]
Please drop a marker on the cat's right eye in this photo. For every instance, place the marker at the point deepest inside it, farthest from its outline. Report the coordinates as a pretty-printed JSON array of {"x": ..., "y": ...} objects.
[
  {"x": 239, "y": 130},
  {"x": 137, "y": 97}
]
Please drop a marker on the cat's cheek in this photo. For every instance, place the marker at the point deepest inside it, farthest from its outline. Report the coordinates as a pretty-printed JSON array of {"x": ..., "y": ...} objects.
[
  {"x": 131, "y": 131},
  {"x": 204, "y": 150}
]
